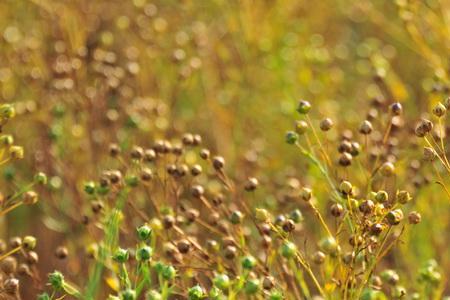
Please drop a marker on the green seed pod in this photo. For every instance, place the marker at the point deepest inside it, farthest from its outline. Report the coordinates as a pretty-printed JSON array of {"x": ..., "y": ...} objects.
[
  {"x": 403, "y": 197},
  {"x": 276, "y": 295},
  {"x": 56, "y": 280},
  {"x": 29, "y": 242},
  {"x": 40, "y": 178},
  {"x": 398, "y": 292},
  {"x": 121, "y": 255},
  {"x": 16, "y": 152},
  {"x": 89, "y": 187},
  {"x": 329, "y": 246},
  {"x": 251, "y": 286},
  {"x": 381, "y": 197},
  {"x": 43, "y": 296},
  {"x": 291, "y": 137},
  {"x": 387, "y": 169},
  {"x": 215, "y": 294},
  {"x": 301, "y": 127},
  {"x": 144, "y": 253},
  {"x": 128, "y": 294},
  {"x": 262, "y": 215},
  {"x": 236, "y": 217},
  {"x": 222, "y": 281},
  {"x": 394, "y": 217},
  {"x": 196, "y": 293},
  {"x": 7, "y": 111},
  {"x": 288, "y": 250},
  {"x": 144, "y": 232},
  {"x": 371, "y": 294},
  {"x": 346, "y": 188},
  {"x": 132, "y": 180},
  {"x": 6, "y": 140},
  {"x": 390, "y": 276},
  {"x": 303, "y": 107},
  {"x": 248, "y": 262},
  {"x": 153, "y": 295},
  {"x": 168, "y": 273},
  {"x": 296, "y": 216}
]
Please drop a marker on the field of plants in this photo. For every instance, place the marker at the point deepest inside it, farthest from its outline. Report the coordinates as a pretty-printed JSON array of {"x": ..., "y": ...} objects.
[{"x": 224, "y": 149}]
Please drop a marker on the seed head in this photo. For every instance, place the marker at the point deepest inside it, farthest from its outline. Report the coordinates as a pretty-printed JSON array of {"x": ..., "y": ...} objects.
[
  {"x": 303, "y": 107},
  {"x": 439, "y": 110},
  {"x": 251, "y": 184},
  {"x": 204, "y": 154},
  {"x": 423, "y": 128},
  {"x": 337, "y": 210},
  {"x": 396, "y": 108},
  {"x": 387, "y": 169},
  {"x": 301, "y": 127},
  {"x": 291, "y": 137},
  {"x": 429, "y": 154},
  {"x": 306, "y": 194},
  {"x": 326, "y": 124},
  {"x": 394, "y": 217},
  {"x": 30, "y": 197},
  {"x": 345, "y": 159},
  {"x": 218, "y": 162},
  {"x": 414, "y": 218},
  {"x": 366, "y": 127}
]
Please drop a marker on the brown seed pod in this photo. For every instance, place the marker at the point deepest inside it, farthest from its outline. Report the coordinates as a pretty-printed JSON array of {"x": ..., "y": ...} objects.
[
  {"x": 345, "y": 159},
  {"x": 318, "y": 257},
  {"x": 196, "y": 170},
  {"x": 396, "y": 108},
  {"x": 32, "y": 258},
  {"x": 8, "y": 265},
  {"x": 188, "y": 139},
  {"x": 11, "y": 286},
  {"x": 149, "y": 155},
  {"x": 197, "y": 191},
  {"x": 146, "y": 174},
  {"x": 97, "y": 206},
  {"x": 137, "y": 152},
  {"x": 345, "y": 146},
  {"x": 251, "y": 184},
  {"x": 218, "y": 162},
  {"x": 376, "y": 229},
  {"x": 366, "y": 127},
  {"x": 115, "y": 176},
  {"x": 336, "y": 210},
  {"x": 30, "y": 197},
  {"x": 168, "y": 221},
  {"x": 23, "y": 270},
  {"x": 366, "y": 207},
  {"x": 414, "y": 218},
  {"x": 197, "y": 139},
  {"x": 192, "y": 214},
  {"x": 326, "y": 124},
  {"x": 268, "y": 282},
  {"x": 114, "y": 150},
  {"x": 61, "y": 252},
  {"x": 230, "y": 252},
  {"x": 204, "y": 154},
  {"x": 15, "y": 242},
  {"x": 288, "y": 225},
  {"x": 183, "y": 246}
]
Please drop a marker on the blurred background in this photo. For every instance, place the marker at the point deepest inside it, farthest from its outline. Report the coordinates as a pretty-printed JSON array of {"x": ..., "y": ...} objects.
[{"x": 85, "y": 73}]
